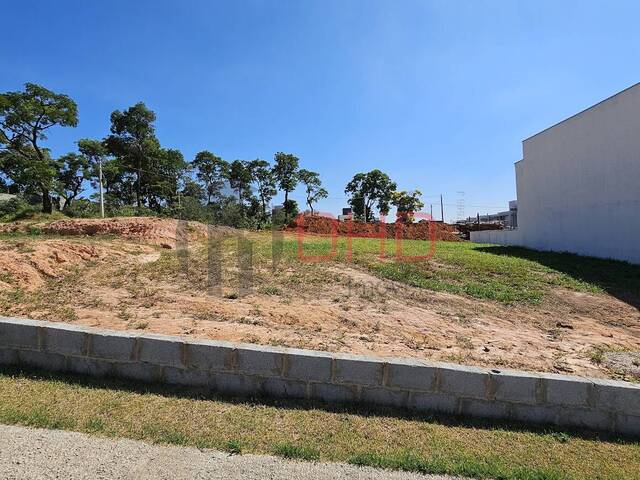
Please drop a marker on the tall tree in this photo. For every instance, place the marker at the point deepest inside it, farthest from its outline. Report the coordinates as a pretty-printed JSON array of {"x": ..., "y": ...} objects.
[
  {"x": 73, "y": 171},
  {"x": 96, "y": 153},
  {"x": 25, "y": 118},
  {"x": 367, "y": 190},
  {"x": 266, "y": 183},
  {"x": 313, "y": 187},
  {"x": 240, "y": 177},
  {"x": 286, "y": 174},
  {"x": 134, "y": 143},
  {"x": 211, "y": 171},
  {"x": 407, "y": 204},
  {"x": 165, "y": 178}
]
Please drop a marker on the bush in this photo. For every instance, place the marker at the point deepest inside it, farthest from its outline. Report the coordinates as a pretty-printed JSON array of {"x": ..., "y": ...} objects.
[
  {"x": 129, "y": 211},
  {"x": 83, "y": 208},
  {"x": 16, "y": 209}
]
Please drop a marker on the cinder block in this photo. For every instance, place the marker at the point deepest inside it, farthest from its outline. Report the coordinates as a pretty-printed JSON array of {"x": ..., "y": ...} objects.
[
  {"x": 142, "y": 372},
  {"x": 327, "y": 392},
  {"x": 484, "y": 408},
  {"x": 434, "y": 402},
  {"x": 356, "y": 370},
  {"x": 236, "y": 384},
  {"x": 43, "y": 360},
  {"x": 8, "y": 356},
  {"x": 411, "y": 375},
  {"x": 463, "y": 381},
  {"x": 187, "y": 377},
  {"x": 161, "y": 351},
  {"x": 308, "y": 366},
  {"x": 18, "y": 335},
  {"x": 590, "y": 418},
  {"x": 277, "y": 387},
  {"x": 66, "y": 341},
  {"x": 564, "y": 390},
  {"x": 520, "y": 387},
  {"x": 539, "y": 414},
  {"x": 628, "y": 425},
  {"x": 117, "y": 346},
  {"x": 616, "y": 396},
  {"x": 203, "y": 356},
  {"x": 385, "y": 396},
  {"x": 260, "y": 361},
  {"x": 89, "y": 366}
]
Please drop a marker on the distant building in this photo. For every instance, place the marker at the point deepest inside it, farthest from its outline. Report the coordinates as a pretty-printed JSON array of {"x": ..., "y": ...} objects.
[
  {"x": 578, "y": 184},
  {"x": 507, "y": 219},
  {"x": 347, "y": 214}
]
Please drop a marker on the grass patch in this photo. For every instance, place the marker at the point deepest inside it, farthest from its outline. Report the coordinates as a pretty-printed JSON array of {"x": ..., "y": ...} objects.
[
  {"x": 509, "y": 275},
  {"x": 504, "y": 274},
  {"x": 288, "y": 450},
  {"x": 234, "y": 447},
  {"x": 310, "y": 431},
  {"x": 492, "y": 468}
]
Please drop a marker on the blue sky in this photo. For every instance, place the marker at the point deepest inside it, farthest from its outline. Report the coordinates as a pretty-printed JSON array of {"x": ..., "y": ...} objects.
[{"x": 439, "y": 94}]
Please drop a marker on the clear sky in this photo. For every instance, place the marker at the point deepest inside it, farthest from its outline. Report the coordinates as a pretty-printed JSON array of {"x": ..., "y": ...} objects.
[{"x": 438, "y": 94}]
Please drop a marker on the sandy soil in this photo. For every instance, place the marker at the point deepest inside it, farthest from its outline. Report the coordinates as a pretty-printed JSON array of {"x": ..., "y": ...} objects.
[{"x": 124, "y": 284}]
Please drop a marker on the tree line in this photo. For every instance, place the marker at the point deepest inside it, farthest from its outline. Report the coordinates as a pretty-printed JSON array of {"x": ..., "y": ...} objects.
[{"x": 137, "y": 175}]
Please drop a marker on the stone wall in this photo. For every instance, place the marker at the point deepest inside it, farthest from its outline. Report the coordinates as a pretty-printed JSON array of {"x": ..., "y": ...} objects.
[{"x": 242, "y": 369}]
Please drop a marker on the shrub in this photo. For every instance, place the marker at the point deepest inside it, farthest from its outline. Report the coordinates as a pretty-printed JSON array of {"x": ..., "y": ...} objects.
[
  {"x": 83, "y": 208},
  {"x": 16, "y": 209}
]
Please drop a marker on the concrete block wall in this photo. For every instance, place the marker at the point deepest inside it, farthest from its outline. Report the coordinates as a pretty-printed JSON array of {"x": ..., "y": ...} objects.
[{"x": 241, "y": 369}]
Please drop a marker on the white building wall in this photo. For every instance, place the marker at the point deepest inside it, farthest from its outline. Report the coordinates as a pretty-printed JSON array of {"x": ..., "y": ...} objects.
[{"x": 579, "y": 184}]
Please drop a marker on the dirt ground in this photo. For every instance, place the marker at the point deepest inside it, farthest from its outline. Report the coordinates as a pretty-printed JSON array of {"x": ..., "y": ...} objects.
[{"x": 125, "y": 284}]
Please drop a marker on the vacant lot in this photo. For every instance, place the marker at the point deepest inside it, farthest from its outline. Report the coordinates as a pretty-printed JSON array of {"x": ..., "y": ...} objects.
[{"x": 470, "y": 303}]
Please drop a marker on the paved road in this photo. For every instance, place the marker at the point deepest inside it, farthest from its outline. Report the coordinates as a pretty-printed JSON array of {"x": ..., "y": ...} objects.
[{"x": 27, "y": 453}]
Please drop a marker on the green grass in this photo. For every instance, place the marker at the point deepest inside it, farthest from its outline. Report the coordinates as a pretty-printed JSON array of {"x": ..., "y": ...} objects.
[
  {"x": 490, "y": 468},
  {"x": 504, "y": 274},
  {"x": 288, "y": 450},
  {"x": 382, "y": 438}
]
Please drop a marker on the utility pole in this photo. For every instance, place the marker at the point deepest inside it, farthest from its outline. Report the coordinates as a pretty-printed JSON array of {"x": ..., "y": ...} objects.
[
  {"x": 431, "y": 212},
  {"x": 101, "y": 191},
  {"x": 364, "y": 202},
  {"x": 441, "y": 208}
]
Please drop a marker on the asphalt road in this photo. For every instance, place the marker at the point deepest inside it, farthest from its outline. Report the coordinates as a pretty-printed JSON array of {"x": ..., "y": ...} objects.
[{"x": 27, "y": 453}]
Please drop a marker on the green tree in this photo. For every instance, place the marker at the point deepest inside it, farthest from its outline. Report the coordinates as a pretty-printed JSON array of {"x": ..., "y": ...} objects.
[
  {"x": 25, "y": 119},
  {"x": 407, "y": 204},
  {"x": 240, "y": 178},
  {"x": 266, "y": 183},
  {"x": 164, "y": 179},
  {"x": 313, "y": 187},
  {"x": 211, "y": 171},
  {"x": 285, "y": 172},
  {"x": 134, "y": 144},
  {"x": 367, "y": 190},
  {"x": 73, "y": 171}
]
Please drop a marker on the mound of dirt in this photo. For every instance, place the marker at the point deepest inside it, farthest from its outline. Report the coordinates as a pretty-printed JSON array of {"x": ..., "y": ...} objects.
[
  {"x": 27, "y": 265},
  {"x": 157, "y": 231},
  {"x": 413, "y": 231}
]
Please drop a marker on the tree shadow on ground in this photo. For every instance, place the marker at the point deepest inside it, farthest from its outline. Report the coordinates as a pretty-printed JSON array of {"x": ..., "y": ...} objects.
[
  {"x": 619, "y": 279},
  {"x": 360, "y": 409}
]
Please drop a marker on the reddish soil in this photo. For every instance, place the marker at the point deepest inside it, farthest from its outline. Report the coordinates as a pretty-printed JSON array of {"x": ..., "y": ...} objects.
[
  {"x": 156, "y": 231},
  {"x": 413, "y": 231}
]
